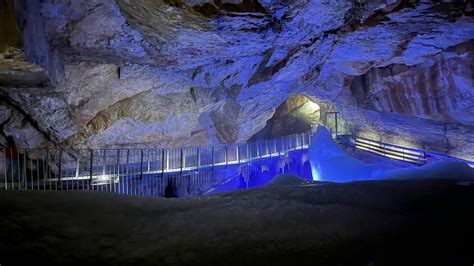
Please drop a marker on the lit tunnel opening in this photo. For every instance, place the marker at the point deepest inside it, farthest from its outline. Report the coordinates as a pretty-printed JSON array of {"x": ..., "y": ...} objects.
[{"x": 297, "y": 114}]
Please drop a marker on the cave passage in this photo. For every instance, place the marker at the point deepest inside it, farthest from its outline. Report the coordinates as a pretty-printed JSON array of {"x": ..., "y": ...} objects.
[{"x": 297, "y": 114}]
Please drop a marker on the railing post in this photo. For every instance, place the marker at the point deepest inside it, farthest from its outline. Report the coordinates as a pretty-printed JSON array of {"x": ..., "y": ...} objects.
[
  {"x": 6, "y": 168},
  {"x": 281, "y": 146},
  {"x": 118, "y": 172},
  {"x": 48, "y": 172},
  {"x": 18, "y": 172},
  {"x": 266, "y": 148},
  {"x": 12, "y": 171},
  {"x": 184, "y": 158},
  {"x": 212, "y": 158},
  {"x": 162, "y": 163},
  {"x": 248, "y": 153},
  {"x": 181, "y": 161},
  {"x": 128, "y": 162},
  {"x": 91, "y": 164},
  {"x": 141, "y": 164},
  {"x": 258, "y": 149},
  {"x": 148, "y": 160},
  {"x": 23, "y": 170},
  {"x": 309, "y": 139},
  {"x": 37, "y": 172},
  {"x": 60, "y": 170},
  {"x": 32, "y": 176},
  {"x": 274, "y": 145},
  {"x": 226, "y": 155},
  {"x": 198, "y": 155},
  {"x": 104, "y": 159},
  {"x": 238, "y": 154}
]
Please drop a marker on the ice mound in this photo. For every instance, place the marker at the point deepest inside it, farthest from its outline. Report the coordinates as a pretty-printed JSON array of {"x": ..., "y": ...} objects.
[
  {"x": 444, "y": 169},
  {"x": 329, "y": 162},
  {"x": 285, "y": 180}
]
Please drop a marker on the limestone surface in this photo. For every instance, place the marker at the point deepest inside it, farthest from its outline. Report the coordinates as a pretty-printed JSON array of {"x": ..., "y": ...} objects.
[{"x": 195, "y": 72}]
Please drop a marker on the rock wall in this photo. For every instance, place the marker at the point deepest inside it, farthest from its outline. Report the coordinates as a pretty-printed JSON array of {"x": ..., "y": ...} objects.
[
  {"x": 439, "y": 88},
  {"x": 171, "y": 73}
]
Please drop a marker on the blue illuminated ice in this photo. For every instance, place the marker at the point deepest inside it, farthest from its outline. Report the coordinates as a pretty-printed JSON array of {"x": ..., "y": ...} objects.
[
  {"x": 443, "y": 169},
  {"x": 329, "y": 162}
]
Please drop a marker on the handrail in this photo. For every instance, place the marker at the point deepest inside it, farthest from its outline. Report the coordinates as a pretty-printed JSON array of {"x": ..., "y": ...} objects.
[
  {"x": 102, "y": 166},
  {"x": 170, "y": 148},
  {"x": 393, "y": 145},
  {"x": 411, "y": 155}
]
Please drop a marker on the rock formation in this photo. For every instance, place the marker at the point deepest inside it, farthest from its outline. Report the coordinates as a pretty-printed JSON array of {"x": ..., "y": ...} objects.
[{"x": 107, "y": 73}]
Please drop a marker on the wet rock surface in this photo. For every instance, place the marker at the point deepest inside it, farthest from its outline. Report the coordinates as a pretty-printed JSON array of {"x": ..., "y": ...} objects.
[{"x": 171, "y": 73}]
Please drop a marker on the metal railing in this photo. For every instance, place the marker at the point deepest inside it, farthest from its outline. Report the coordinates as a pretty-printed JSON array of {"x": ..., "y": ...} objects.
[
  {"x": 396, "y": 152},
  {"x": 139, "y": 171},
  {"x": 392, "y": 151}
]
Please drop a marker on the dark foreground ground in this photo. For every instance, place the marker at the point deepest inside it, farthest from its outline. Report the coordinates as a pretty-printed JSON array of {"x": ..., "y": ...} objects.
[{"x": 364, "y": 223}]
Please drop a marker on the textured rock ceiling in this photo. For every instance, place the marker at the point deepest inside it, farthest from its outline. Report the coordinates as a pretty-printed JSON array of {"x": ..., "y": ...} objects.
[{"x": 170, "y": 73}]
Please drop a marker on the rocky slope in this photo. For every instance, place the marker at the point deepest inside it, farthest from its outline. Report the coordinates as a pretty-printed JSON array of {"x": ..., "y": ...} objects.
[{"x": 190, "y": 72}]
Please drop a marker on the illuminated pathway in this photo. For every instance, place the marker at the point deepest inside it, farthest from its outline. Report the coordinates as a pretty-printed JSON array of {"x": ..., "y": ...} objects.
[
  {"x": 191, "y": 170},
  {"x": 147, "y": 171}
]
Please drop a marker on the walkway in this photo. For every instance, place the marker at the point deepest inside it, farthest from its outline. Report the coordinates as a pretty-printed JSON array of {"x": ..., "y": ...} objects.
[
  {"x": 145, "y": 171},
  {"x": 187, "y": 171}
]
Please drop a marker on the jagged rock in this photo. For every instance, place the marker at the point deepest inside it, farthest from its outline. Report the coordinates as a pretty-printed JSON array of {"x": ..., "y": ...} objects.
[
  {"x": 14, "y": 123},
  {"x": 15, "y": 71}
]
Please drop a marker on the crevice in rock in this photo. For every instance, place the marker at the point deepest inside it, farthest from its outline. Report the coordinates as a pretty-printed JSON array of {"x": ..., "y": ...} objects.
[
  {"x": 246, "y": 8},
  {"x": 264, "y": 73},
  {"x": 17, "y": 107},
  {"x": 354, "y": 19},
  {"x": 461, "y": 48},
  {"x": 175, "y": 3},
  {"x": 207, "y": 9},
  {"x": 193, "y": 94},
  {"x": 196, "y": 72},
  {"x": 455, "y": 9},
  {"x": 2, "y": 127},
  {"x": 381, "y": 15},
  {"x": 402, "y": 47}
]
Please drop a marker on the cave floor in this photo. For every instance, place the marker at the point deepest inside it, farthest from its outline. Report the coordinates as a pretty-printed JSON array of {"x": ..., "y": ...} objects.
[{"x": 411, "y": 222}]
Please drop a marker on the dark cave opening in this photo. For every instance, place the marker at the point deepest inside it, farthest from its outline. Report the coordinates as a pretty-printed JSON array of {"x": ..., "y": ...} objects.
[
  {"x": 246, "y": 6},
  {"x": 10, "y": 33}
]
